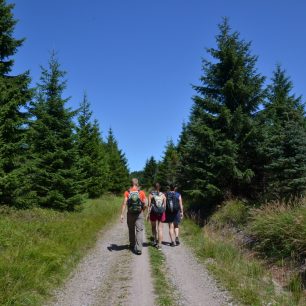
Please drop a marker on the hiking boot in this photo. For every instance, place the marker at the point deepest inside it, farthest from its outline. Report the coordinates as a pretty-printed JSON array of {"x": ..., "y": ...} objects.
[
  {"x": 158, "y": 247},
  {"x": 154, "y": 243},
  {"x": 177, "y": 241},
  {"x": 138, "y": 252},
  {"x": 172, "y": 244}
]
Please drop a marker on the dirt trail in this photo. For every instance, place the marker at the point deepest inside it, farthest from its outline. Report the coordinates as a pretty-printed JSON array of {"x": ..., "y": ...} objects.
[
  {"x": 104, "y": 276},
  {"x": 142, "y": 292},
  {"x": 111, "y": 275},
  {"x": 192, "y": 281}
]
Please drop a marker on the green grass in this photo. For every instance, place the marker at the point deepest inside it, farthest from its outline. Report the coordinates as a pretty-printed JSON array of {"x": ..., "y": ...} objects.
[
  {"x": 38, "y": 248},
  {"x": 243, "y": 275},
  {"x": 162, "y": 286},
  {"x": 280, "y": 231}
]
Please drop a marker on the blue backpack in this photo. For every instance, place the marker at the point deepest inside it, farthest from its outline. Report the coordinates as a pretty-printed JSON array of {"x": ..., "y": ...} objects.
[{"x": 173, "y": 204}]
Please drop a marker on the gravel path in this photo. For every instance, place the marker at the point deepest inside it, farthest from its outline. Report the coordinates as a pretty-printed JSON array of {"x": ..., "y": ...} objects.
[
  {"x": 142, "y": 292},
  {"x": 104, "y": 276},
  {"x": 111, "y": 275},
  {"x": 190, "y": 278}
]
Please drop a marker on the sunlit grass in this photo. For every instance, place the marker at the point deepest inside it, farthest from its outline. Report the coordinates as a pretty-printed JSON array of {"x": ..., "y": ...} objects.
[
  {"x": 39, "y": 247},
  {"x": 280, "y": 230},
  {"x": 243, "y": 275}
]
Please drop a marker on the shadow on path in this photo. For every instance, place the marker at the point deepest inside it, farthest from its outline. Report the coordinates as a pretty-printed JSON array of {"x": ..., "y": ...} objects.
[
  {"x": 116, "y": 247},
  {"x": 166, "y": 243}
]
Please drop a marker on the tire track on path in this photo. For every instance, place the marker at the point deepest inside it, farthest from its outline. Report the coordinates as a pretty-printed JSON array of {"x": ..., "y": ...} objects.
[
  {"x": 109, "y": 275},
  {"x": 190, "y": 278}
]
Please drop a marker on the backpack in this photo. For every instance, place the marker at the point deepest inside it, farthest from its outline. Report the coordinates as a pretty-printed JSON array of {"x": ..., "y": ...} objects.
[
  {"x": 173, "y": 205},
  {"x": 134, "y": 203},
  {"x": 157, "y": 203}
]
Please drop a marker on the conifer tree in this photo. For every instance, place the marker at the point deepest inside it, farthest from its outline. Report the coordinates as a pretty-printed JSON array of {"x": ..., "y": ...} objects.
[
  {"x": 284, "y": 145},
  {"x": 150, "y": 172},
  {"x": 55, "y": 175},
  {"x": 167, "y": 168},
  {"x": 117, "y": 162},
  {"x": 182, "y": 149},
  {"x": 216, "y": 160},
  {"x": 92, "y": 159},
  {"x": 15, "y": 189}
]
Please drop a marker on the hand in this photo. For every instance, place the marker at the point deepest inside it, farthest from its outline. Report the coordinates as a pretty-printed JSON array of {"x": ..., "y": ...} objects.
[
  {"x": 121, "y": 218},
  {"x": 182, "y": 215}
]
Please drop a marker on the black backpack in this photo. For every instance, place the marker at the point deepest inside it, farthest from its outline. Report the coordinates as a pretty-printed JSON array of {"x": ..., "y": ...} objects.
[{"x": 173, "y": 205}]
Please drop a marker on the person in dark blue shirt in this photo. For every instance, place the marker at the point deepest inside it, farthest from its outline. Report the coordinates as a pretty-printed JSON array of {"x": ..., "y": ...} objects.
[{"x": 174, "y": 214}]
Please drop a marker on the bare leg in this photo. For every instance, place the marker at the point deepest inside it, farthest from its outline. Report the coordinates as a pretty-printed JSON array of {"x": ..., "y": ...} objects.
[
  {"x": 171, "y": 232},
  {"x": 160, "y": 232},
  {"x": 176, "y": 230},
  {"x": 154, "y": 233}
]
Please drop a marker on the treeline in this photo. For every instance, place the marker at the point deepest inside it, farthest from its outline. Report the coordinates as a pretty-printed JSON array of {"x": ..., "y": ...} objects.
[
  {"x": 46, "y": 159},
  {"x": 244, "y": 139},
  {"x": 164, "y": 171}
]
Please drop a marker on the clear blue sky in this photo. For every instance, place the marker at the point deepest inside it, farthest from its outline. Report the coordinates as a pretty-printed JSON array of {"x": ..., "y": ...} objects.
[{"x": 137, "y": 58}]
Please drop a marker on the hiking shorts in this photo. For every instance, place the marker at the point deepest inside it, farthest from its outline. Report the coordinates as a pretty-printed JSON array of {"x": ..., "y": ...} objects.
[
  {"x": 154, "y": 217},
  {"x": 177, "y": 218},
  {"x": 173, "y": 218}
]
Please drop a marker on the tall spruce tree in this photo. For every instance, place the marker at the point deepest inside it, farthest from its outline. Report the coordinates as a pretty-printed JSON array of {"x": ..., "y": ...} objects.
[
  {"x": 117, "y": 162},
  {"x": 150, "y": 172},
  {"x": 92, "y": 159},
  {"x": 14, "y": 97},
  {"x": 284, "y": 145},
  {"x": 55, "y": 175},
  {"x": 167, "y": 168},
  {"x": 217, "y": 158},
  {"x": 182, "y": 150}
]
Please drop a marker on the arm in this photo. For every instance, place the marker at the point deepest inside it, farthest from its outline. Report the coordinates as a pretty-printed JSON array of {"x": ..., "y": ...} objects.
[
  {"x": 149, "y": 206},
  {"x": 144, "y": 200},
  {"x": 181, "y": 206},
  {"x": 149, "y": 202},
  {"x": 123, "y": 207},
  {"x": 164, "y": 201}
]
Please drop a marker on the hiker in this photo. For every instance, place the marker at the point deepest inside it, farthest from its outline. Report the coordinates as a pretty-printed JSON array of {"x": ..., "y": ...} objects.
[
  {"x": 157, "y": 208},
  {"x": 135, "y": 201},
  {"x": 174, "y": 207},
  {"x": 178, "y": 218}
]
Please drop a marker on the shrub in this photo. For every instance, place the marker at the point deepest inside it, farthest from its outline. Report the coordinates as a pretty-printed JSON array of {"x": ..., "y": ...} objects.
[
  {"x": 280, "y": 230},
  {"x": 233, "y": 213}
]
